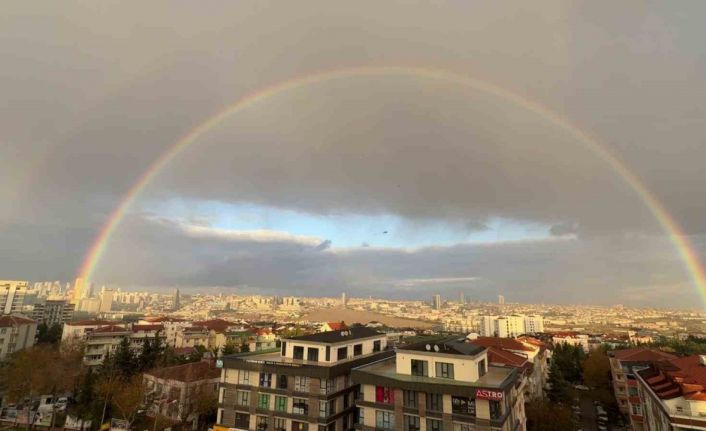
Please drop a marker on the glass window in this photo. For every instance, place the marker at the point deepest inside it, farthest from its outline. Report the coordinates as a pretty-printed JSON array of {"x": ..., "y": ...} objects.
[
  {"x": 420, "y": 368},
  {"x": 298, "y": 352},
  {"x": 495, "y": 409},
  {"x": 632, "y": 391},
  {"x": 463, "y": 405},
  {"x": 327, "y": 386},
  {"x": 410, "y": 399},
  {"x": 433, "y": 425},
  {"x": 357, "y": 350},
  {"x": 361, "y": 415},
  {"x": 242, "y": 398},
  {"x": 464, "y": 427},
  {"x": 300, "y": 406},
  {"x": 312, "y": 354},
  {"x": 481, "y": 368},
  {"x": 242, "y": 420},
  {"x": 263, "y": 401},
  {"x": 411, "y": 423},
  {"x": 266, "y": 380},
  {"x": 300, "y": 426},
  {"x": 384, "y": 420},
  {"x": 327, "y": 408},
  {"x": 377, "y": 346},
  {"x": 434, "y": 402},
  {"x": 445, "y": 370},
  {"x": 262, "y": 423},
  {"x": 384, "y": 395},
  {"x": 636, "y": 409},
  {"x": 281, "y": 381},
  {"x": 301, "y": 384},
  {"x": 244, "y": 377},
  {"x": 280, "y": 424},
  {"x": 342, "y": 353},
  {"x": 280, "y": 403}
]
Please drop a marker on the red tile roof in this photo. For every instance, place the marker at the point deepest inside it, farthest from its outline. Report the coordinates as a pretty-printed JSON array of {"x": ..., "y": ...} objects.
[
  {"x": 14, "y": 320},
  {"x": 110, "y": 329},
  {"x": 684, "y": 376},
  {"x": 190, "y": 372},
  {"x": 642, "y": 355},
  {"x": 89, "y": 323},
  {"x": 337, "y": 326},
  {"x": 136, "y": 328},
  {"x": 502, "y": 343},
  {"x": 503, "y": 357}
]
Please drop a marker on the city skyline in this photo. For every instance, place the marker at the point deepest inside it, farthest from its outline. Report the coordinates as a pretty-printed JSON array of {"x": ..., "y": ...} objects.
[{"x": 532, "y": 161}]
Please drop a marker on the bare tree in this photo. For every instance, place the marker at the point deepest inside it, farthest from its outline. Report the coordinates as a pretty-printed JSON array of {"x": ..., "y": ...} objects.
[{"x": 128, "y": 397}]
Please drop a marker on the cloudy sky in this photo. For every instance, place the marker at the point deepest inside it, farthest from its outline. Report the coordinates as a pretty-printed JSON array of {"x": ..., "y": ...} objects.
[{"x": 399, "y": 185}]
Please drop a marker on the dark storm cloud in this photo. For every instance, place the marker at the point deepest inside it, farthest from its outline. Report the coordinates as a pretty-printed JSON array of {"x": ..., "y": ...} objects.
[{"x": 91, "y": 94}]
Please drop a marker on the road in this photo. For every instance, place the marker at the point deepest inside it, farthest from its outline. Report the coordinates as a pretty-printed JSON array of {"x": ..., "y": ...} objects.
[{"x": 588, "y": 419}]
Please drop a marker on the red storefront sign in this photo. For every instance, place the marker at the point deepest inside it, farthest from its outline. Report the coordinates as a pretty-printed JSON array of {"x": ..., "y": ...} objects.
[{"x": 489, "y": 394}]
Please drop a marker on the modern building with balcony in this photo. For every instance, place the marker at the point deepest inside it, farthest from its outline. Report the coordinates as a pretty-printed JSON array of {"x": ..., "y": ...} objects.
[
  {"x": 305, "y": 385},
  {"x": 444, "y": 385}
]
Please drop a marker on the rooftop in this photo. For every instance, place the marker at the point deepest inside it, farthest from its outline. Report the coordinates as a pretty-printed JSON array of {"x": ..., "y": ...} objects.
[
  {"x": 89, "y": 322},
  {"x": 190, "y": 372},
  {"x": 641, "y": 355},
  {"x": 448, "y": 346},
  {"x": 332, "y": 337},
  {"x": 502, "y": 343},
  {"x": 14, "y": 320},
  {"x": 684, "y": 376}
]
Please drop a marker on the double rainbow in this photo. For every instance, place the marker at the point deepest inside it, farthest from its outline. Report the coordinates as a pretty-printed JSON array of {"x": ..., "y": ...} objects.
[{"x": 678, "y": 238}]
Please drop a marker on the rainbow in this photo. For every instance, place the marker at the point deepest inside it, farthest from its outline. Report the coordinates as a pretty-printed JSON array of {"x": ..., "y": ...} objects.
[{"x": 671, "y": 227}]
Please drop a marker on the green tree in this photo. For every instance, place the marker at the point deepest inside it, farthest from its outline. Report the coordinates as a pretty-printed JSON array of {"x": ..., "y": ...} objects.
[
  {"x": 559, "y": 389},
  {"x": 229, "y": 349},
  {"x": 596, "y": 369},
  {"x": 245, "y": 347},
  {"x": 545, "y": 416},
  {"x": 123, "y": 360}
]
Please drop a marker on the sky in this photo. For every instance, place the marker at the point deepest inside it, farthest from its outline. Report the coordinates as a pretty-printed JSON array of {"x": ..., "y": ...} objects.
[{"x": 394, "y": 184}]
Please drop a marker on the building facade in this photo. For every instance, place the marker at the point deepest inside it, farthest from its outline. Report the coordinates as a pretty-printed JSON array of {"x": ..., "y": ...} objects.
[
  {"x": 12, "y": 293},
  {"x": 16, "y": 333},
  {"x": 305, "y": 385},
  {"x": 510, "y": 326},
  {"x": 445, "y": 385},
  {"x": 53, "y": 312}
]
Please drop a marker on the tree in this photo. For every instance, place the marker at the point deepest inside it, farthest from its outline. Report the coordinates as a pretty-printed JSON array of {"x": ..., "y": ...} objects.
[
  {"x": 229, "y": 349},
  {"x": 124, "y": 360},
  {"x": 245, "y": 347},
  {"x": 596, "y": 369},
  {"x": 545, "y": 416},
  {"x": 22, "y": 381},
  {"x": 559, "y": 389},
  {"x": 128, "y": 397}
]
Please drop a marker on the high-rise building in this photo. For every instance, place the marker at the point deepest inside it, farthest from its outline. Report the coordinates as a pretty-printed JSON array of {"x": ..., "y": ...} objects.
[
  {"x": 510, "y": 326},
  {"x": 16, "y": 333},
  {"x": 436, "y": 302},
  {"x": 12, "y": 294},
  {"x": 106, "y": 298},
  {"x": 53, "y": 312},
  {"x": 444, "y": 385},
  {"x": 177, "y": 300},
  {"x": 461, "y": 298},
  {"x": 306, "y": 385},
  {"x": 79, "y": 291},
  {"x": 501, "y": 300},
  {"x": 534, "y": 324},
  {"x": 344, "y": 299}
]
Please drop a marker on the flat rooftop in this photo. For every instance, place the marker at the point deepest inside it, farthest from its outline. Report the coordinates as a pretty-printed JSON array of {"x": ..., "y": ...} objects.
[
  {"x": 274, "y": 357},
  {"x": 496, "y": 377}
]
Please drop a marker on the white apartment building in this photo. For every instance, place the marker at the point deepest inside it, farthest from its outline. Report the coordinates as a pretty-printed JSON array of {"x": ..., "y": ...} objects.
[
  {"x": 16, "y": 333},
  {"x": 510, "y": 326},
  {"x": 12, "y": 294},
  {"x": 572, "y": 338}
]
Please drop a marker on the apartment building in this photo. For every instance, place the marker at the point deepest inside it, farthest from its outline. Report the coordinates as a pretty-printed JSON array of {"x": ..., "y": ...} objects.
[
  {"x": 510, "y": 326},
  {"x": 53, "y": 312},
  {"x": 16, "y": 333},
  {"x": 445, "y": 385},
  {"x": 102, "y": 338},
  {"x": 571, "y": 338},
  {"x": 79, "y": 329},
  {"x": 673, "y": 394},
  {"x": 172, "y": 326},
  {"x": 305, "y": 385},
  {"x": 12, "y": 294},
  {"x": 623, "y": 367}
]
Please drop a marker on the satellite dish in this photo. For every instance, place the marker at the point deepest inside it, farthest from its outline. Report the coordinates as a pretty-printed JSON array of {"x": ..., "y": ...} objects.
[
  {"x": 428, "y": 347},
  {"x": 436, "y": 348}
]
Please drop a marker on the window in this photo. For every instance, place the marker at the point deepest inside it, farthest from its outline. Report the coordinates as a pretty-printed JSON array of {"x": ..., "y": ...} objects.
[
  {"x": 445, "y": 370},
  {"x": 342, "y": 353},
  {"x": 481, "y": 368},
  {"x": 463, "y": 405},
  {"x": 242, "y": 420},
  {"x": 636, "y": 409},
  {"x": 263, "y": 401},
  {"x": 298, "y": 352},
  {"x": 281, "y": 381},
  {"x": 346, "y": 399},
  {"x": 433, "y": 425},
  {"x": 434, "y": 402},
  {"x": 632, "y": 391},
  {"x": 377, "y": 346},
  {"x": 420, "y": 368},
  {"x": 242, "y": 398},
  {"x": 300, "y": 426},
  {"x": 384, "y": 395},
  {"x": 410, "y": 399},
  {"x": 411, "y": 423},
  {"x": 361, "y": 415},
  {"x": 300, "y": 406},
  {"x": 262, "y": 423},
  {"x": 280, "y": 424},
  {"x": 495, "y": 409},
  {"x": 244, "y": 377},
  {"x": 280, "y": 404},
  {"x": 312, "y": 354},
  {"x": 301, "y": 384},
  {"x": 385, "y": 420},
  {"x": 327, "y": 408},
  {"x": 327, "y": 386},
  {"x": 266, "y": 380},
  {"x": 357, "y": 350},
  {"x": 464, "y": 427}
]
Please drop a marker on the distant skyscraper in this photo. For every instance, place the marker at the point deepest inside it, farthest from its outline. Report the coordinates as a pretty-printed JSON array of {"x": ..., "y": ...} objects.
[
  {"x": 501, "y": 300},
  {"x": 462, "y": 298},
  {"x": 106, "y": 297},
  {"x": 12, "y": 295},
  {"x": 436, "y": 302},
  {"x": 344, "y": 299},
  {"x": 177, "y": 300},
  {"x": 79, "y": 291}
]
